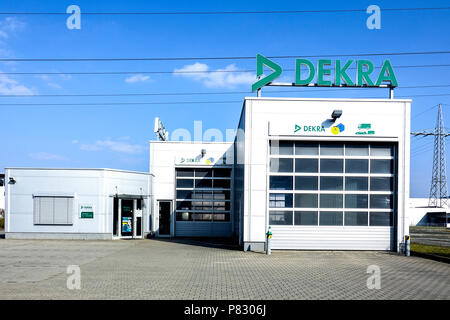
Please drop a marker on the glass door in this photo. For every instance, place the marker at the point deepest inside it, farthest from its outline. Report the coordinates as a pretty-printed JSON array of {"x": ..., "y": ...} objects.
[{"x": 126, "y": 219}]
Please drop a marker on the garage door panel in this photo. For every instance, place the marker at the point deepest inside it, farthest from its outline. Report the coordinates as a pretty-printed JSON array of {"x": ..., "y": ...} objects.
[{"x": 332, "y": 238}]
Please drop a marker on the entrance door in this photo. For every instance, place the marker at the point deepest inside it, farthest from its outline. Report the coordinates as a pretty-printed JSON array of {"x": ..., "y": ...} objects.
[
  {"x": 126, "y": 221},
  {"x": 165, "y": 211}
]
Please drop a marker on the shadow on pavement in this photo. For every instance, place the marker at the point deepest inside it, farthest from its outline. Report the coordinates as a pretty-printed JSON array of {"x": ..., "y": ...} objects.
[{"x": 222, "y": 243}]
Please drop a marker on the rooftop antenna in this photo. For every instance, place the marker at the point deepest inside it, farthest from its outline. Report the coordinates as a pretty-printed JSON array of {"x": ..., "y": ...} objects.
[{"x": 161, "y": 133}]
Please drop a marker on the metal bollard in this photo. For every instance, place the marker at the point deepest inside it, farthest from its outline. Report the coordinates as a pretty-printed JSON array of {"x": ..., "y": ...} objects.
[
  {"x": 407, "y": 245},
  {"x": 268, "y": 245}
]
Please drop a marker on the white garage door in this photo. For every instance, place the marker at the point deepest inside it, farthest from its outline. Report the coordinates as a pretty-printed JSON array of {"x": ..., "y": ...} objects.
[{"x": 336, "y": 196}]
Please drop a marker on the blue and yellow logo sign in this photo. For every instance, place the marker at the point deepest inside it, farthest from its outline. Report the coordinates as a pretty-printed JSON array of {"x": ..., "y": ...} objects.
[{"x": 337, "y": 129}]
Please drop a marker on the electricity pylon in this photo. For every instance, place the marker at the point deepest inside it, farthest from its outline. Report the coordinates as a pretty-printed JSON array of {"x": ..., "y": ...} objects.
[{"x": 438, "y": 190}]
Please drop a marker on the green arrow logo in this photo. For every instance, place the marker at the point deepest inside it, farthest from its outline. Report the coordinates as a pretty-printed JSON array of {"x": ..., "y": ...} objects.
[
  {"x": 297, "y": 128},
  {"x": 262, "y": 61}
]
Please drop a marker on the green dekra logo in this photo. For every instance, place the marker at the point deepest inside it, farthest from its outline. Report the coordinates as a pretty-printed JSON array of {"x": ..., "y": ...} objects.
[{"x": 364, "y": 70}]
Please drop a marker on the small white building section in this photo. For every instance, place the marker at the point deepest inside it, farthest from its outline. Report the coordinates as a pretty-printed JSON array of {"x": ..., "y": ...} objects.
[
  {"x": 420, "y": 214},
  {"x": 77, "y": 203},
  {"x": 192, "y": 188},
  {"x": 323, "y": 183}
]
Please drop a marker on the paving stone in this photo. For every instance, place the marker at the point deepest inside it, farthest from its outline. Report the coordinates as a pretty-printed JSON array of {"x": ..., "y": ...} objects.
[{"x": 154, "y": 269}]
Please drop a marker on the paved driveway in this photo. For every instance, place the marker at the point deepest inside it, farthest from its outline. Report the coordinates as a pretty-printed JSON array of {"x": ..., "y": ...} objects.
[{"x": 154, "y": 269}]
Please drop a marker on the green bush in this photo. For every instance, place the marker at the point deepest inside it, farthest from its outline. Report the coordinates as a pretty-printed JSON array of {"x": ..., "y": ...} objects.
[{"x": 2, "y": 223}]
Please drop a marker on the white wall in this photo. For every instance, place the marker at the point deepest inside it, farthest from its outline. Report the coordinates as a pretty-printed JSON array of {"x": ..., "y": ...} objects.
[
  {"x": 89, "y": 186},
  {"x": 418, "y": 209},
  {"x": 275, "y": 118}
]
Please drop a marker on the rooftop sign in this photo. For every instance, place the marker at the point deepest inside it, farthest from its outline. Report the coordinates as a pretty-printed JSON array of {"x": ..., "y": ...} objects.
[{"x": 364, "y": 73}]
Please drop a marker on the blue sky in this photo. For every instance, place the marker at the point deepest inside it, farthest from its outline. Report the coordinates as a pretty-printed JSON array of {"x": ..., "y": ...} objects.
[{"x": 116, "y": 136}]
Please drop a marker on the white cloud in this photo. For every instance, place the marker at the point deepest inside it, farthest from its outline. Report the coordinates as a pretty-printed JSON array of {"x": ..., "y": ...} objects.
[
  {"x": 46, "y": 156},
  {"x": 219, "y": 78},
  {"x": 10, "y": 25},
  {"x": 116, "y": 146},
  {"x": 11, "y": 86},
  {"x": 137, "y": 78}
]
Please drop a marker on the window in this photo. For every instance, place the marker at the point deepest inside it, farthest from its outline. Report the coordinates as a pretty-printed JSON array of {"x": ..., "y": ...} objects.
[
  {"x": 381, "y": 166},
  {"x": 331, "y": 183},
  {"x": 356, "y": 183},
  {"x": 306, "y": 183},
  {"x": 280, "y": 217},
  {"x": 381, "y": 184},
  {"x": 281, "y": 165},
  {"x": 357, "y": 150},
  {"x": 356, "y": 200},
  {"x": 381, "y": 219},
  {"x": 305, "y": 218},
  {"x": 203, "y": 194},
  {"x": 331, "y": 200},
  {"x": 281, "y": 147},
  {"x": 356, "y": 218},
  {"x": 382, "y": 201},
  {"x": 280, "y": 183},
  {"x": 306, "y": 165},
  {"x": 331, "y": 149},
  {"x": 222, "y": 184},
  {"x": 306, "y": 200},
  {"x": 185, "y": 183},
  {"x": 53, "y": 210},
  {"x": 331, "y": 165},
  {"x": 185, "y": 172},
  {"x": 381, "y": 150},
  {"x": 356, "y": 166},
  {"x": 203, "y": 183},
  {"x": 280, "y": 200},
  {"x": 330, "y": 218},
  {"x": 306, "y": 148}
]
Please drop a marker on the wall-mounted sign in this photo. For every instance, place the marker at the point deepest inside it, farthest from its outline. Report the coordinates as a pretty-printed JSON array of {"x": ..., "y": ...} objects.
[
  {"x": 311, "y": 129},
  {"x": 86, "y": 211},
  {"x": 199, "y": 160},
  {"x": 329, "y": 69},
  {"x": 365, "y": 128}
]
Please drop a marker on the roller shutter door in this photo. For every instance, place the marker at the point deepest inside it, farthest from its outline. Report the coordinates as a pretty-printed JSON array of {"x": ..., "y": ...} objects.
[{"x": 332, "y": 196}]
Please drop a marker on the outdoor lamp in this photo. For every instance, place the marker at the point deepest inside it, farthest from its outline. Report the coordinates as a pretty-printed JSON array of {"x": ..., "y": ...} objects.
[{"x": 336, "y": 114}]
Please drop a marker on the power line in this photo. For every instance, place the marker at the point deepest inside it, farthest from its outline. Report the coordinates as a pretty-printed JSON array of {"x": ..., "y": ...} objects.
[
  {"x": 162, "y": 102},
  {"x": 187, "y": 72},
  {"x": 429, "y": 109},
  {"x": 228, "y": 12},
  {"x": 201, "y": 93},
  {"x": 221, "y": 58}
]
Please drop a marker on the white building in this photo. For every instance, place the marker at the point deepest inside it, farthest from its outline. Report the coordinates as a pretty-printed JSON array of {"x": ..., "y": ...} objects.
[
  {"x": 322, "y": 173},
  {"x": 420, "y": 214},
  {"x": 77, "y": 203}
]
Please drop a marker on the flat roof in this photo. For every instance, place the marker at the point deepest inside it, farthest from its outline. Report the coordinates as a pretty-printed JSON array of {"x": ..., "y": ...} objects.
[
  {"x": 191, "y": 142},
  {"x": 329, "y": 99},
  {"x": 80, "y": 169}
]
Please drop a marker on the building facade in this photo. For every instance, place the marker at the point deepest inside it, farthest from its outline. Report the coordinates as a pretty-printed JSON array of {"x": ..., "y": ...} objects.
[
  {"x": 77, "y": 203},
  {"x": 326, "y": 174}
]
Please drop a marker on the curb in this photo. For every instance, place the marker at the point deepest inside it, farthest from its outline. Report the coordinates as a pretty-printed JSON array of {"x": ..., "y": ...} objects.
[{"x": 430, "y": 256}]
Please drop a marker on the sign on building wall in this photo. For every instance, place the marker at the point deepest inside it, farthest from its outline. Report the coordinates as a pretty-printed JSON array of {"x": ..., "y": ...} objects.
[
  {"x": 312, "y": 128},
  {"x": 86, "y": 211},
  {"x": 199, "y": 160}
]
